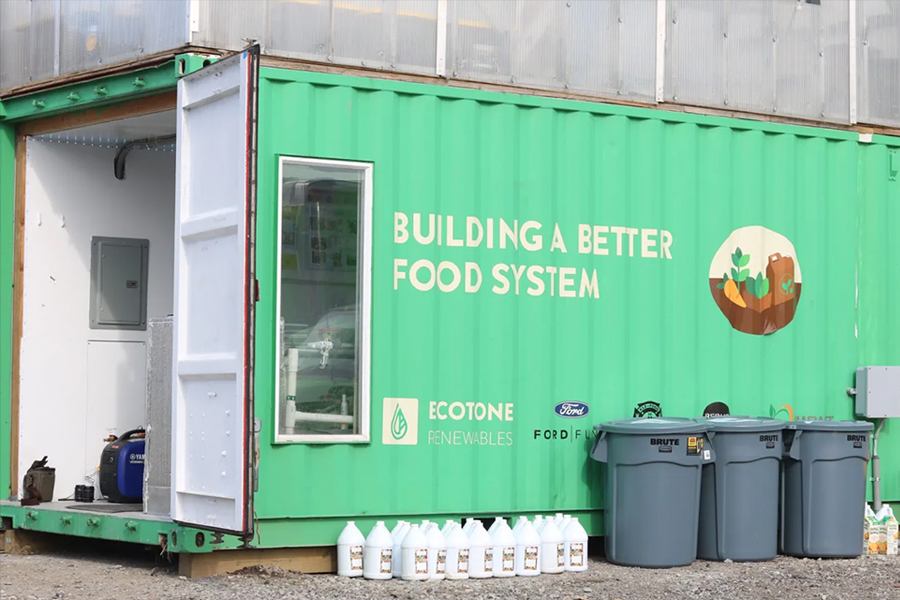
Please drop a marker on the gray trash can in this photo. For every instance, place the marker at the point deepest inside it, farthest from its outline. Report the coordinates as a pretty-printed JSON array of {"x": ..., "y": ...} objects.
[
  {"x": 824, "y": 488},
  {"x": 652, "y": 489},
  {"x": 739, "y": 494}
]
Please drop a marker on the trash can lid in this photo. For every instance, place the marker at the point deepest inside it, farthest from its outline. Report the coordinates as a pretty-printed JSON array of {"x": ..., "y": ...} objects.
[
  {"x": 816, "y": 425},
  {"x": 747, "y": 424},
  {"x": 644, "y": 425}
]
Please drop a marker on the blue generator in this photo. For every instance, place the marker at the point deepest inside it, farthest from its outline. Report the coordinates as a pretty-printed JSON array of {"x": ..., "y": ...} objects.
[{"x": 122, "y": 468}]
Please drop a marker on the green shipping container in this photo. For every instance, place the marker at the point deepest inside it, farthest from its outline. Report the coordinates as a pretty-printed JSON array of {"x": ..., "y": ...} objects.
[{"x": 456, "y": 285}]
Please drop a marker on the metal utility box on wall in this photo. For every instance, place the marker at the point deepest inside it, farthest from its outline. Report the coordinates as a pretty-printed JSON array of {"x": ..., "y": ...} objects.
[
  {"x": 878, "y": 392},
  {"x": 119, "y": 283}
]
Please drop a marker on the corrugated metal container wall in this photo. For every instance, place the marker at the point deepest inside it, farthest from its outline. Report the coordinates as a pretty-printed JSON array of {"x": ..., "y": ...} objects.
[
  {"x": 40, "y": 39},
  {"x": 879, "y": 266},
  {"x": 653, "y": 332}
]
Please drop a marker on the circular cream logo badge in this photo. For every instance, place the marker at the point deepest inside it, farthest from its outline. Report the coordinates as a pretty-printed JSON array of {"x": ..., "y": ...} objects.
[{"x": 755, "y": 280}]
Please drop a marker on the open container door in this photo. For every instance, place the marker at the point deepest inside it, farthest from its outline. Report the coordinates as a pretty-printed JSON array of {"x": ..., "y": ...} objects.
[{"x": 212, "y": 412}]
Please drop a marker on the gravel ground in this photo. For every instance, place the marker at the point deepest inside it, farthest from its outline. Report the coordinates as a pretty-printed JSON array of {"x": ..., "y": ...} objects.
[{"x": 124, "y": 575}]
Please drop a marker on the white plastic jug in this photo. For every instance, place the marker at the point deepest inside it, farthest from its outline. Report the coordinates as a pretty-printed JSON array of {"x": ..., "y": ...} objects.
[
  {"x": 504, "y": 550},
  {"x": 553, "y": 548},
  {"x": 519, "y": 522},
  {"x": 414, "y": 555},
  {"x": 350, "y": 551},
  {"x": 448, "y": 525},
  {"x": 377, "y": 558},
  {"x": 538, "y": 524},
  {"x": 891, "y": 533},
  {"x": 467, "y": 528},
  {"x": 565, "y": 523},
  {"x": 457, "y": 554},
  {"x": 528, "y": 551},
  {"x": 576, "y": 540},
  {"x": 495, "y": 525},
  {"x": 397, "y": 527},
  {"x": 398, "y": 547},
  {"x": 558, "y": 519},
  {"x": 437, "y": 552},
  {"x": 481, "y": 553}
]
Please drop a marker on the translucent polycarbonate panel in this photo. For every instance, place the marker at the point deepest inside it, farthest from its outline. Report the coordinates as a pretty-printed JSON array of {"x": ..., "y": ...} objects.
[
  {"x": 611, "y": 48},
  {"x": 812, "y": 59},
  {"x": 604, "y": 47},
  {"x": 749, "y": 54},
  {"x": 784, "y": 57},
  {"x": 878, "y": 66},
  {"x": 231, "y": 24},
  {"x": 386, "y": 34},
  {"x": 27, "y": 41},
  {"x": 40, "y": 39},
  {"x": 95, "y": 33},
  {"x": 695, "y": 52},
  {"x": 383, "y": 34},
  {"x": 479, "y": 44}
]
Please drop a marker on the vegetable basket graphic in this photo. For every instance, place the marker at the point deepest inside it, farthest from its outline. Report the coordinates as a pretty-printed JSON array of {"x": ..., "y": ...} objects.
[{"x": 759, "y": 286}]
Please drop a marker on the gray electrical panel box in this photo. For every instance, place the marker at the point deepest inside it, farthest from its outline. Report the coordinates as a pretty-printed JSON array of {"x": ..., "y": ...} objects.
[
  {"x": 878, "y": 392},
  {"x": 119, "y": 283}
]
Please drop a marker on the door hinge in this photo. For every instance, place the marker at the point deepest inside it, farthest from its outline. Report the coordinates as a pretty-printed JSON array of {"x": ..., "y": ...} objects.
[{"x": 893, "y": 165}]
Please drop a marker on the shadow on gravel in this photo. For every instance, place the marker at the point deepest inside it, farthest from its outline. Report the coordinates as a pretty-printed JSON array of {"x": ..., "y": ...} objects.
[{"x": 99, "y": 551}]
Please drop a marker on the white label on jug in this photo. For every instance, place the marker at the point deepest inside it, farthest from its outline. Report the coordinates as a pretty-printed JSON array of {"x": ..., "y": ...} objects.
[
  {"x": 386, "y": 564},
  {"x": 421, "y": 561},
  {"x": 441, "y": 561},
  {"x": 706, "y": 455},
  {"x": 561, "y": 555},
  {"x": 462, "y": 562},
  {"x": 488, "y": 559},
  {"x": 356, "y": 554},
  {"x": 576, "y": 554},
  {"x": 509, "y": 559},
  {"x": 531, "y": 558}
]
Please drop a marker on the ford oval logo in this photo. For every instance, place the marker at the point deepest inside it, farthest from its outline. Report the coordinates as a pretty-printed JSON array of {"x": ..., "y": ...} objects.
[{"x": 572, "y": 410}]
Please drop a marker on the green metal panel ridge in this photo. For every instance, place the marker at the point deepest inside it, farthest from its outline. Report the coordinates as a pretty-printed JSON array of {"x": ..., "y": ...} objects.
[
  {"x": 448, "y": 92},
  {"x": 101, "y": 91}
]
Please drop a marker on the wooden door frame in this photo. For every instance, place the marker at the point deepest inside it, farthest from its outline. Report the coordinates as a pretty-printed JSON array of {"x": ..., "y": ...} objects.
[{"x": 116, "y": 112}]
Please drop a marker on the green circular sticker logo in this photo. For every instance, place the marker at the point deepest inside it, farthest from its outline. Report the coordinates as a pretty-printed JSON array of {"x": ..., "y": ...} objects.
[{"x": 755, "y": 279}]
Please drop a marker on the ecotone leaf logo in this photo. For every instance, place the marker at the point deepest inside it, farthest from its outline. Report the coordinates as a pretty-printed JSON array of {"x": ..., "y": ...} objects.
[
  {"x": 784, "y": 408},
  {"x": 399, "y": 426},
  {"x": 400, "y": 422}
]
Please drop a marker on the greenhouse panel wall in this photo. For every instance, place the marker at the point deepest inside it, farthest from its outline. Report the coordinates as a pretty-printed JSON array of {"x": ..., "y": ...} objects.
[
  {"x": 770, "y": 56},
  {"x": 830, "y": 62},
  {"x": 603, "y": 284},
  {"x": 41, "y": 39}
]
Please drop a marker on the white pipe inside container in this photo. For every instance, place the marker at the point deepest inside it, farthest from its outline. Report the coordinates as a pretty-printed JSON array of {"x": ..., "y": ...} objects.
[
  {"x": 296, "y": 416},
  {"x": 293, "y": 365},
  {"x": 322, "y": 418}
]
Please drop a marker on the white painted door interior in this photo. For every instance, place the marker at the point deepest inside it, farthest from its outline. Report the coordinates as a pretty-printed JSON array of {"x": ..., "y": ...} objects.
[{"x": 212, "y": 412}]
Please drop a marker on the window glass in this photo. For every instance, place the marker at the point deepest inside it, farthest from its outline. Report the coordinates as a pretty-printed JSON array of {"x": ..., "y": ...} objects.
[{"x": 320, "y": 291}]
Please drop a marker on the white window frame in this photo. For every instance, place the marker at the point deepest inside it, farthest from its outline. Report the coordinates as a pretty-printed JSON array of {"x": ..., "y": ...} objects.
[{"x": 364, "y": 335}]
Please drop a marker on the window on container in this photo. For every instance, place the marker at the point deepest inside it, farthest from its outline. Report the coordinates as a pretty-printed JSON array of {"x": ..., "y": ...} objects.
[{"x": 323, "y": 300}]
